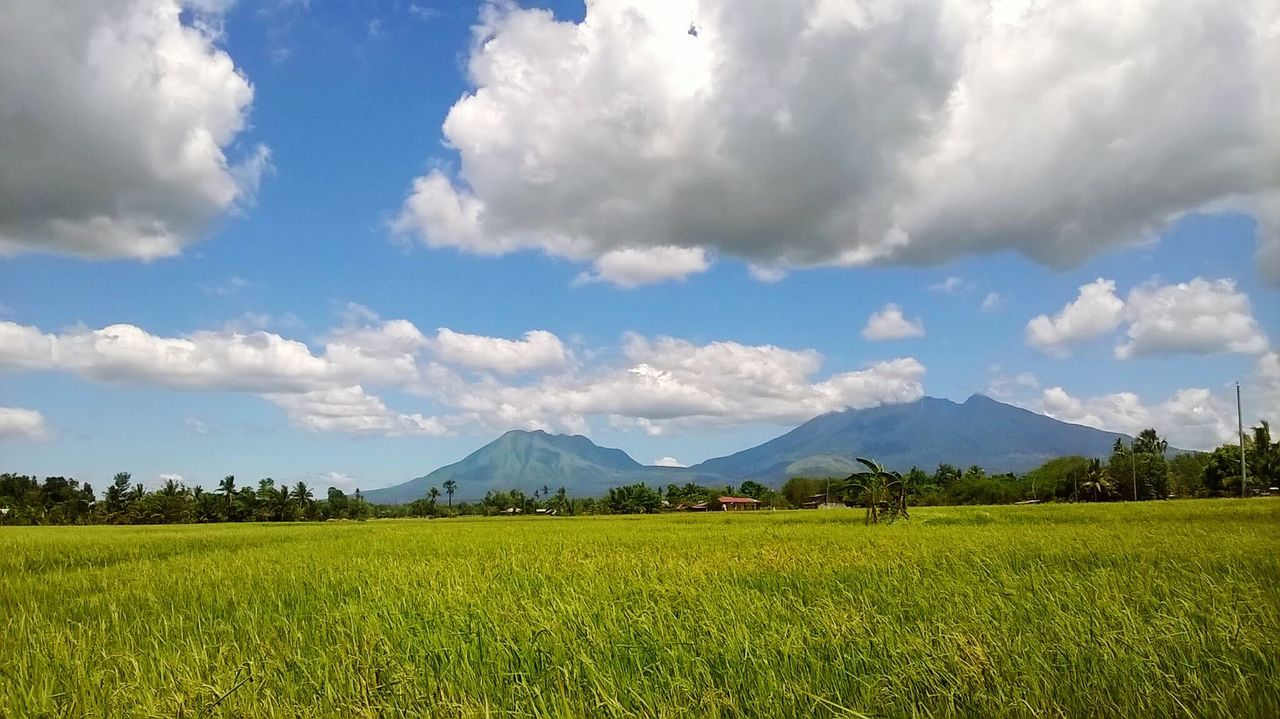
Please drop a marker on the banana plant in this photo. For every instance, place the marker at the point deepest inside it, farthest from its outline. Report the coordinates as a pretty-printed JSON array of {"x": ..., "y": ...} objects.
[{"x": 883, "y": 492}]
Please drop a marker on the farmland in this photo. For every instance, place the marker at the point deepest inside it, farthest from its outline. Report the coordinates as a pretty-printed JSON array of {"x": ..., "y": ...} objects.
[{"x": 1153, "y": 609}]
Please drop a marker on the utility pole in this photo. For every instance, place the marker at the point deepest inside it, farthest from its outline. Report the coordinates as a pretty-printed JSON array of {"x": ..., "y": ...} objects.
[
  {"x": 1133, "y": 464},
  {"x": 1244, "y": 477}
]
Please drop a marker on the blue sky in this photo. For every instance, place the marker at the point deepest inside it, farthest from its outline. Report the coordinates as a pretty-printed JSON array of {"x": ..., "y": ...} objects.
[{"x": 329, "y": 241}]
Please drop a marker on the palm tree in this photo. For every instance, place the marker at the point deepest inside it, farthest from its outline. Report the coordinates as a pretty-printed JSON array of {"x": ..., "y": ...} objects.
[
  {"x": 1097, "y": 484},
  {"x": 881, "y": 490},
  {"x": 282, "y": 500},
  {"x": 434, "y": 494},
  {"x": 303, "y": 496},
  {"x": 1148, "y": 442},
  {"x": 449, "y": 487},
  {"x": 228, "y": 487}
]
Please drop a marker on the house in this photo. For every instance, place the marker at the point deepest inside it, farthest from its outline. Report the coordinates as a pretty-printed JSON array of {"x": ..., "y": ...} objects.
[
  {"x": 736, "y": 504},
  {"x": 512, "y": 510},
  {"x": 821, "y": 501},
  {"x": 699, "y": 507}
]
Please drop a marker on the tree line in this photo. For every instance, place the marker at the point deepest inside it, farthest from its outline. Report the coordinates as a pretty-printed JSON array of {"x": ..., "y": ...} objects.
[
  {"x": 1137, "y": 471},
  {"x": 59, "y": 500}
]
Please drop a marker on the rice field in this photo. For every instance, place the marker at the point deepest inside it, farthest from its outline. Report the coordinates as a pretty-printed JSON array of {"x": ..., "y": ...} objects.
[{"x": 1149, "y": 610}]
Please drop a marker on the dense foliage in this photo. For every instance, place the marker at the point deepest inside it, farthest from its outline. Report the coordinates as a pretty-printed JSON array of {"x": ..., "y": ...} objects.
[{"x": 57, "y": 500}]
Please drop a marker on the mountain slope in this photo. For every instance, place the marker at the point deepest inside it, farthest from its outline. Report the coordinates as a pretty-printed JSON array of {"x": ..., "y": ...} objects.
[
  {"x": 530, "y": 460},
  {"x": 997, "y": 436}
]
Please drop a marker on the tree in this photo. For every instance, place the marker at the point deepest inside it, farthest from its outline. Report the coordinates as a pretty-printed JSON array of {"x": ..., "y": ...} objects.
[
  {"x": 1096, "y": 484},
  {"x": 434, "y": 494},
  {"x": 228, "y": 488},
  {"x": 1148, "y": 442},
  {"x": 450, "y": 486},
  {"x": 118, "y": 497},
  {"x": 633, "y": 499},
  {"x": 283, "y": 504},
  {"x": 1263, "y": 458},
  {"x": 882, "y": 492},
  {"x": 304, "y": 498}
]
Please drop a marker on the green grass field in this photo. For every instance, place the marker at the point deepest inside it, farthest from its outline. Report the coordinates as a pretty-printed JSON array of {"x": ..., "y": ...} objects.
[{"x": 1169, "y": 609}]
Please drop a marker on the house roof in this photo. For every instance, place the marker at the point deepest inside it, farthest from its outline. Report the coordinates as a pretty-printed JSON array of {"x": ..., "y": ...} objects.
[{"x": 738, "y": 500}]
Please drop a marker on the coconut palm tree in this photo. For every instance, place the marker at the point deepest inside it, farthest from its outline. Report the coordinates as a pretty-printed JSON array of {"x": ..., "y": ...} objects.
[
  {"x": 1097, "y": 484},
  {"x": 434, "y": 494},
  {"x": 283, "y": 502},
  {"x": 303, "y": 497},
  {"x": 449, "y": 487},
  {"x": 228, "y": 487}
]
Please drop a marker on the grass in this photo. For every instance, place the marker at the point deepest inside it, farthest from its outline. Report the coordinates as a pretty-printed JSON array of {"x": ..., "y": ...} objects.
[{"x": 1151, "y": 610}]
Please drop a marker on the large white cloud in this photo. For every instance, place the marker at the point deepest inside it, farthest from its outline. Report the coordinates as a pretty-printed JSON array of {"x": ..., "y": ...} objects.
[
  {"x": 1198, "y": 316},
  {"x": 823, "y": 132},
  {"x": 1192, "y": 418},
  {"x": 19, "y": 423},
  {"x": 116, "y": 121},
  {"x": 667, "y": 383},
  {"x": 1096, "y": 312},
  {"x": 472, "y": 381}
]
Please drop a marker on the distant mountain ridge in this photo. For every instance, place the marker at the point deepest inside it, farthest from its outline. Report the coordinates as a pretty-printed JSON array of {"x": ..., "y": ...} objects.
[
  {"x": 996, "y": 436},
  {"x": 529, "y": 461}
]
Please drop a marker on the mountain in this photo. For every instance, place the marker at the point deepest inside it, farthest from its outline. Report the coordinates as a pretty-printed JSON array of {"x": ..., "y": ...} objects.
[
  {"x": 530, "y": 460},
  {"x": 996, "y": 436}
]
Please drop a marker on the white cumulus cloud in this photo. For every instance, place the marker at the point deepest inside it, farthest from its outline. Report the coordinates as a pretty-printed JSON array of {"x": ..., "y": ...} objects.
[
  {"x": 1096, "y": 312},
  {"x": 117, "y": 123},
  {"x": 890, "y": 324},
  {"x": 1057, "y": 130},
  {"x": 19, "y": 423},
  {"x": 633, "y": 267},
  {"x": 539, "y": 350},
  {"x": 1196, "y": 317},
  {"x": 1199, "y": 317},
  {"x": 668, "y": 462}
]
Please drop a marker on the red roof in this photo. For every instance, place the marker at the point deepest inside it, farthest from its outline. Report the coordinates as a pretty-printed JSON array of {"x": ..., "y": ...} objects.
[{"x": 738, "y": 500}]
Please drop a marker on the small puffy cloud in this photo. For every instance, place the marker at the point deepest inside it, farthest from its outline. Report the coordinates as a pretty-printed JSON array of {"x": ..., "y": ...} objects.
[
  {"x": 118, "y": 119},
  {"x": 890, "y": 324},
  {"x": 632, "y": 267},
  {"x": 197, "y": 426},
  {"x": 951, "y": 285},
  {"x": 668, "y": 462},
  {"x": 752, "y": 137},
  {"x": 539, "y": 350},
  {"x": 1199, "y": 316},
  {"x": 230, "y": 286},
  {"x": 1096, "y": 312},
  {"x": 992, "y": 302},
  {"x": 19, "y": 423}
]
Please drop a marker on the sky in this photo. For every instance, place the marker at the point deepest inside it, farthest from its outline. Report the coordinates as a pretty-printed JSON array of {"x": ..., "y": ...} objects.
[{"x": 347, "y": 243}]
